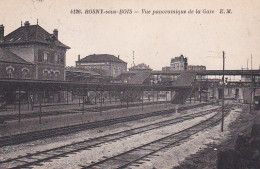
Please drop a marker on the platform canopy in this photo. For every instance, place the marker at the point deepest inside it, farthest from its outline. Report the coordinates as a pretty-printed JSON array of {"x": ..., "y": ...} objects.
[
  {"x": 211, "y": 72},
  {"x": 51, "y": 85}
]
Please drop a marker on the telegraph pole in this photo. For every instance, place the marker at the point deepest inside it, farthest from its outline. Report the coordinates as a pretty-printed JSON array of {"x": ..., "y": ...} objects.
[
  {"x": 252, "y": 81},
  {"x": 223, "y": 87}
]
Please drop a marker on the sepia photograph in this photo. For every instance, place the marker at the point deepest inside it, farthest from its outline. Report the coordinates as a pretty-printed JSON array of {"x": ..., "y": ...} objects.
[{"x": 136, "y": 84}]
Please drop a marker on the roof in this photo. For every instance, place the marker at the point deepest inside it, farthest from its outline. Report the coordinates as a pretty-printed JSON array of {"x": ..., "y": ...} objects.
[
  {"x": 177, "y": 59},
  {"x": 32, "y": 33},
  {"x": 81, "y": 70},
  {"x": 185, "y": 79},
  {"x": 139, "y": 78},
  {"x": 8, "y": 56},
  {"x": 97, "y": 58},
  {"x": 140, "y": 66},
  {"x": 101, "y": 72}
]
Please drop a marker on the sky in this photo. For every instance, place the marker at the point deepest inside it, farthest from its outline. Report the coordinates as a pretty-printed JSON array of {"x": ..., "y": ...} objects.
[{"x": 155, "y": 39}]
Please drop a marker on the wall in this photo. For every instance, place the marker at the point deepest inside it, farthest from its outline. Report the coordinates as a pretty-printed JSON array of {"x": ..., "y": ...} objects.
[
  {"x": 56, "y": 70},
  {"x": 112, "y": 68},
  {"x": 118, "y": 68},
  {"x": 17, "y": 73},
  {"x": 24, "y": 51}
]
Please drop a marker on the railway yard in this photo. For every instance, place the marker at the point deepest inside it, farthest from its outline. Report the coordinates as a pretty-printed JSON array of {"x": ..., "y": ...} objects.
[
  {"x": 129, "y": 85},
  {"x": 151, "y": 135}
]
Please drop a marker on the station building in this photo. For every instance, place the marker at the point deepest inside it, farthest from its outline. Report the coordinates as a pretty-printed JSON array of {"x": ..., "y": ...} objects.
[
  {"x": 31, "y": 44},
  {"x": 30, "y": 52},
  {"x": 104, "y": 64}
]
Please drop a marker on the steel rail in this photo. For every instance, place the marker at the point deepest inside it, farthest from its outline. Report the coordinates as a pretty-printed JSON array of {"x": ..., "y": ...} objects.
[{"x": 93, "y": 142}]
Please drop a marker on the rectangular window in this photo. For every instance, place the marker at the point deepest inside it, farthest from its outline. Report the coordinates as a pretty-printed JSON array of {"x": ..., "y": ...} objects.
[
  {"x": 61, "y": 60},
  {"x": 45, "y": 57},
  {"x": 56, "y": 58}
]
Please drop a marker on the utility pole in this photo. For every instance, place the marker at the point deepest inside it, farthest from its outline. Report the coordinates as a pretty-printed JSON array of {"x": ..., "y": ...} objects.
[
  {"x": 252, "y": 87},
  {"x": 252, "y": 94},
  {"x": 223, "y": 87},
  {"x": 251, "y": 62},
  {"x": 247, "y": 64}
]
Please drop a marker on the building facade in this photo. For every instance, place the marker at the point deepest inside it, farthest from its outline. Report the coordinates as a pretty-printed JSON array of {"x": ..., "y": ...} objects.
[
  {"x": 196, "y": 67},
  {"x": 81, "y": 75},
  {"x": 104, "y": 64},
  {"x": 36, "y": 46},
  {"x": 140, "y": 68},
  {"x": 12, "y": 66},
  {"x": 179, "y": 63}
]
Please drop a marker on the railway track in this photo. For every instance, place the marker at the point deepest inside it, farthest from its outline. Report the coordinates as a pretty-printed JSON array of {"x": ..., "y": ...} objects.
[
  {"x": 46, "y": 155},
  {"x": 76, "y": 110},
  {"x": 42, "y": 134},
  {"x": 141, "y": 154}
]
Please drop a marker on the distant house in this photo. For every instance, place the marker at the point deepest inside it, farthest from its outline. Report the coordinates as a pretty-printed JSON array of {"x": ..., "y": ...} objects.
[
  {"x": 166, "y": 68},
  {"x": 81, "y": 75},
  {"x": 196, "y": 67},
  {"x": 140, "y": 68},
  {"x": 34, "y": 45},
  {"x": 179, "y": 63},
  {"x": 104, "y": 64}
]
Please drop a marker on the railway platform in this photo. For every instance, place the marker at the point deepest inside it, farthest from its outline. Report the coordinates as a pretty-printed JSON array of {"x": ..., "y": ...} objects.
[{"x": 49, "y": 122}]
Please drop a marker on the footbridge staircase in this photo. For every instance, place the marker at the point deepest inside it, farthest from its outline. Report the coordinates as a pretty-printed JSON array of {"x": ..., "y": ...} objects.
[
  {"x": 138, "y": 78},
  {"x": 186, "y": 80}
]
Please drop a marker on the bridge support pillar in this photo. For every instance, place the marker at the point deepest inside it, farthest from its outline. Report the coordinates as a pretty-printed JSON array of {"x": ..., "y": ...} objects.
[
  {"x": 79, "y": 99},
  {"x": 127, "y": 102},
  {"x": 142, "y": 99},
  {"x": 200, "y": 94},
  {"x": 166, "y": 99},
  {"x": 110, "y": 96},
  {"x": 153, "y": 95},
  {"x": 101, "y": 100},
  {"x": 83, "y": 103},
  {"x": 67, "y": 97},
  {"x": 28, "y": 99},
  {"x": 190, "y": 97},
  {"x": 19, "y": 106},
  {"x": 40, "y": 101}
]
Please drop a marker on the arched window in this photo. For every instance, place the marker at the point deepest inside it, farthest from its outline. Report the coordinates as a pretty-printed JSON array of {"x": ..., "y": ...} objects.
[
  {"x": 52, "y": 74},
  {"x": 45, "y": 73},
  {"x": 57, "y": 74},
  {"x": 25, "y": 72},
  {"x": 10, "y": 71}
]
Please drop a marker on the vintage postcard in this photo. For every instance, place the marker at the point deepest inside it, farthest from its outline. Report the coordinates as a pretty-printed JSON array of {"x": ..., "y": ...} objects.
[{"x": 130, "y": 84}]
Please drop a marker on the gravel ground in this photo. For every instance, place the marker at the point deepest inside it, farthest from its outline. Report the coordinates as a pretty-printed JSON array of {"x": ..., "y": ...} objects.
[
  {"x": 125, "y": 144},
  {"x": 175, "y": 155},
  {"x": 207, "y": 158},
  {"x": 15, "y": 150},
  {"x": 27, "y": 125}
]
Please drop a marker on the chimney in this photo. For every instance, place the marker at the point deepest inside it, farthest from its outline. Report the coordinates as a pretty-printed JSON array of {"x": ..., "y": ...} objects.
[
  {"x": 78, "y": 57},
  {"x": 55, "y": 33},
  {"x": 118, "y": 56},
  {"x": 2, "y": 32},
  {"x": 27, "y": 23}
]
